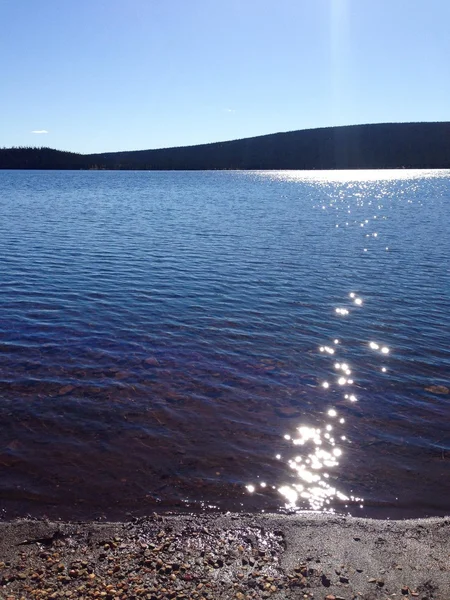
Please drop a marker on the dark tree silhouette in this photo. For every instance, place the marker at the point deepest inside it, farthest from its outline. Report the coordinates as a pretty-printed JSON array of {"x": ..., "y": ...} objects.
[{"x": 389, "y": 145}]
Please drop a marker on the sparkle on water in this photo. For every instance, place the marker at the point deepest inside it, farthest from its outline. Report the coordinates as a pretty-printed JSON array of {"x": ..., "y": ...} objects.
[{"x": 321, "y": 453}]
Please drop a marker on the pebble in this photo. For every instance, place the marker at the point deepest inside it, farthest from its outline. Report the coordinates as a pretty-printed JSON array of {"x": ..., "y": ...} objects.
[
  {"x": 152, "y": 361},
  {"x": 66, "y": 390}
]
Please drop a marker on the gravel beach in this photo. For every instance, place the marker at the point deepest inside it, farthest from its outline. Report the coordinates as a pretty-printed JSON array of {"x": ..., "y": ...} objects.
[{"x": 236, "y": 556}]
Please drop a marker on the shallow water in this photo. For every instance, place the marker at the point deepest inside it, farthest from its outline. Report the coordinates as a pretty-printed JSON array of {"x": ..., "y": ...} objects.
[{"x": 233, "y": 340}]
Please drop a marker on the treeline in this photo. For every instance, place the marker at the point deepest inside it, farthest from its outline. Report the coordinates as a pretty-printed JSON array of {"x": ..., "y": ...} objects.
[
  {"x": 392, "y": 145},
  {"x": 40, "y": 158}
]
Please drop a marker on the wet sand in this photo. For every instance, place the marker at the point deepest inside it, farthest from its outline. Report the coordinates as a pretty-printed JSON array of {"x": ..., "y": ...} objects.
[{"x": 238, "y": 556}]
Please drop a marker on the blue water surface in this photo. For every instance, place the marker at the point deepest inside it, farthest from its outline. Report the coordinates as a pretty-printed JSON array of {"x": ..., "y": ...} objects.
[{"x": 224, "y": 340}]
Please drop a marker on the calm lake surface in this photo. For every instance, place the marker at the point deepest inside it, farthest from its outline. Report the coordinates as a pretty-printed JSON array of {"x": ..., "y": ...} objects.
[{"x": 224, "y": 340}]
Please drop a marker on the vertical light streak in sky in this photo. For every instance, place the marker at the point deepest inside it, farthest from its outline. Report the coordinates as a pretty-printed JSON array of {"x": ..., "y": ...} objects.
[{"x": 340, "y": 44}]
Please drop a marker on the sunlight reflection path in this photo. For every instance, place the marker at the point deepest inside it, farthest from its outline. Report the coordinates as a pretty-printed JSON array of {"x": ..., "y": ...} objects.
[{"x": 318, "y": 451}]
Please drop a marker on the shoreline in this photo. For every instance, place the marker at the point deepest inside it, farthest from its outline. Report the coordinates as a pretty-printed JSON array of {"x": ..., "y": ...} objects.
[{"x": 242, "y": 556}]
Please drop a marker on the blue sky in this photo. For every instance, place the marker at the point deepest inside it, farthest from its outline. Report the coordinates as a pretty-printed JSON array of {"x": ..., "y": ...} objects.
[{"x": 105, "y": 75}]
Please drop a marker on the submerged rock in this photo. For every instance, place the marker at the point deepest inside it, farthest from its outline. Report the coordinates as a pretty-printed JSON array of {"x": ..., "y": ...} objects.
[{"x": 438, "y": 389}]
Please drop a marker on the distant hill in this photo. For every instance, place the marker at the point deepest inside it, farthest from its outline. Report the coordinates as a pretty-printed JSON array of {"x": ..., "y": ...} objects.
[{"x": 379, "y": 146}]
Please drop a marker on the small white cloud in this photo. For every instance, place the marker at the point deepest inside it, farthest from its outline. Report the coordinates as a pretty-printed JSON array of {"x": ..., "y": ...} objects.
[
  {"x": 230, "y": 110},
  {"x": 40, "y": 131}
]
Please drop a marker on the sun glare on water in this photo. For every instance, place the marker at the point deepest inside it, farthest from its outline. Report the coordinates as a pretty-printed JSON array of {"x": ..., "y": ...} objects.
[{"x": 344, "y": 176}]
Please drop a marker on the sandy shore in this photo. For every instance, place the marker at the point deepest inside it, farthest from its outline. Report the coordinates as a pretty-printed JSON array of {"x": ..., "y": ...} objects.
[{"x": 227, "y": 556}]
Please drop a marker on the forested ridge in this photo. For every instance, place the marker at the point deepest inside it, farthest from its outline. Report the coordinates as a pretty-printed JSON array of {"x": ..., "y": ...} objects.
[{"x": 378, "y": 146}]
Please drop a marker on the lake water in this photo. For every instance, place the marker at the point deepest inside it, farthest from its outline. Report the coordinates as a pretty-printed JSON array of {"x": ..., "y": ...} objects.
[{"x": 224, "y": 340}]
